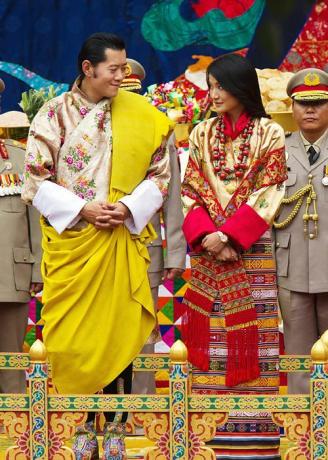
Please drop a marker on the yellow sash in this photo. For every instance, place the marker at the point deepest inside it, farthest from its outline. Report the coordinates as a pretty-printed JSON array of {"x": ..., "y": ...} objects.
[
  {"x": 138, "y": 129},
  {"x": 98, "y": 309}
]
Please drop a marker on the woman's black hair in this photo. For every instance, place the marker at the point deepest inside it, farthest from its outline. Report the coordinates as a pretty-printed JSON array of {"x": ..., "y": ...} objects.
[
  {"x": 94, "y": 47},
  {"x": 238, "y": 76}
]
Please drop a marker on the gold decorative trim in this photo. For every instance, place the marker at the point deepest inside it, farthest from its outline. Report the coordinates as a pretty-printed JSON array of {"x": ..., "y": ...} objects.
[{"x": 311, "y": 79}]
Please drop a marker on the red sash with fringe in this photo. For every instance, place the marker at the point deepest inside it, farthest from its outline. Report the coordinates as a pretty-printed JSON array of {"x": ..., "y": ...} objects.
[{"x": 228, "y": 280}]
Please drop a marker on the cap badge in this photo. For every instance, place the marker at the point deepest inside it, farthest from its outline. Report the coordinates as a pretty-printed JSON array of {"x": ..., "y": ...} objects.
[
  {"x": 312, "y": 79},
  {"x": 128, "y": 70}
]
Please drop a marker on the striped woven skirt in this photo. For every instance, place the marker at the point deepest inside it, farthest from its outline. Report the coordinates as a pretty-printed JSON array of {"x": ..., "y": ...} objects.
[{"x": 248, "y": 435}]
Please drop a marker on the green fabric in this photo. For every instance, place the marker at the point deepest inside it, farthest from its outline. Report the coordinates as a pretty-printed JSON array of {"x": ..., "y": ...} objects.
[{"x": 166, "y": 30}]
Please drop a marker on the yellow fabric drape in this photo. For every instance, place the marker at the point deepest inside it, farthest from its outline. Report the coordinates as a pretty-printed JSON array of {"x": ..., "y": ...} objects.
[
  {"x": 98, "y": 309},
  {"x": 138, "y": 130}
]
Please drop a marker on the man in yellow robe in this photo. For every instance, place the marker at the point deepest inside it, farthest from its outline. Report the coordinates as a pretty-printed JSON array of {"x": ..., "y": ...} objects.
[{"x": 97, "y": 169}]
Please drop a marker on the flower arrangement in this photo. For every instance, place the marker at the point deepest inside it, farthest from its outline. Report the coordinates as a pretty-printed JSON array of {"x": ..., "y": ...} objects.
[{"x": 176, "y": 100}]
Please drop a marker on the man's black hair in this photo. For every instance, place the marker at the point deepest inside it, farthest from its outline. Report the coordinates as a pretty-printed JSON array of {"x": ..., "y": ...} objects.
[{"x": 94, "y": 48}]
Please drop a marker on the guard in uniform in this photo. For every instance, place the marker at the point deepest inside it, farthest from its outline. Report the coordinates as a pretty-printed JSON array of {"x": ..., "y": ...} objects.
[
  {"x": 301, "y": 225},
  {"x": 173, "y": 264},
  {"x": 20, "y": 251}
]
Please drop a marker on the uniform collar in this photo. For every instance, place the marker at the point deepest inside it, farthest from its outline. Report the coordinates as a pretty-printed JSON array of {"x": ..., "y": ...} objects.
[
  {"x": 297, "y": 149},
  {"x": 317, "y": 145}
]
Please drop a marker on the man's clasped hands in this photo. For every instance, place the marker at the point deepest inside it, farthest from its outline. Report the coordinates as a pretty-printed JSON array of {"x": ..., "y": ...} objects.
[{"x": 105, "y": 215}]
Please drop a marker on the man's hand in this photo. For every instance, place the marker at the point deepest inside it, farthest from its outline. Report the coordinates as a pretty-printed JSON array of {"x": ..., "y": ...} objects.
[
  {"x": 113, "y": 215},
  {"x": 121, "y": 208},
  {"x": 91, "y": 211},
  {"x": 212, "y": 244},
  {"x": 35, "y": 288},
  {"x": 105, "y": 215},
  {"x": 228, "y": 254},
  {"x": 172, "y": 273}
]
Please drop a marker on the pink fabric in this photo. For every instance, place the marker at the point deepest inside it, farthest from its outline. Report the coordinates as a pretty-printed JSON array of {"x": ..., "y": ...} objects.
[
  {"x": 196, "y": 225},
  {"x": 245, "y": 227}
]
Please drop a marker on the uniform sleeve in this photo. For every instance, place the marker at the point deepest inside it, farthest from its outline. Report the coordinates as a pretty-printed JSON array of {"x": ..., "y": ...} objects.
[
  {"x": 173, "y": 217},
  {"x": 148, "y": 197},
  {"x": 35, "y": 242},
  {"x": 254, "y": 217}
]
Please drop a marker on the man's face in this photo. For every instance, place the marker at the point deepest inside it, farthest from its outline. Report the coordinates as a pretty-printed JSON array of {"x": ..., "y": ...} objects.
[
  {"x": 107, "y": 76},
  {"x": 311, "y": 116}
]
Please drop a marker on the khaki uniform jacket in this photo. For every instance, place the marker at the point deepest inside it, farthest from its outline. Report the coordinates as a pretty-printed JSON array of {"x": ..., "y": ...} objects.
[
  {"x": 176, "y": 245},
  {"x": 20, "y": 236},
  {"x": 302, "y": 263}
]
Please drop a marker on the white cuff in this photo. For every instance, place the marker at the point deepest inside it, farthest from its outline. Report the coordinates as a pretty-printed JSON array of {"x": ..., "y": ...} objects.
[
  {"x": 57, "y": 204},
  {"x": 145, "y": 200}
]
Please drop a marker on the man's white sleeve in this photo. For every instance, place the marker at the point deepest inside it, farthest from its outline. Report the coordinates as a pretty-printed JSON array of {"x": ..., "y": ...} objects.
[
  {"x": 145, "y": 200},
  {"x": 57, "y": 204}
]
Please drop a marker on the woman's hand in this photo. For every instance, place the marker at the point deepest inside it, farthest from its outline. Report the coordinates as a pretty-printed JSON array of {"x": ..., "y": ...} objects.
[
  {"x": 228, "y": 254},
  {"x": 212, "y": 244},
  {"x": 223, "y": 252}
]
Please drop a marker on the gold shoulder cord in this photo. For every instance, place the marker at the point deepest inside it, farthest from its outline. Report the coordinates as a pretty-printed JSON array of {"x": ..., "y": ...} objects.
[{"x": 307, "y": 217}]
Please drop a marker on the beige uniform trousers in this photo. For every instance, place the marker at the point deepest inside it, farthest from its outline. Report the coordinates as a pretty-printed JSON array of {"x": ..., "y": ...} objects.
[
  {"x": 144, "y": 382},
  {"x": 305, "y": 319},
  {"x": 13, "y": 322}
]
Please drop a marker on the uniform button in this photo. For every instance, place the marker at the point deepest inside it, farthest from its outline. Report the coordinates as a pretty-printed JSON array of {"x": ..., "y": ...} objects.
[
  {"x": 25, "y": 259},
  {"x": 277, "y": 245},
  {"x": 311, "y": 236}
]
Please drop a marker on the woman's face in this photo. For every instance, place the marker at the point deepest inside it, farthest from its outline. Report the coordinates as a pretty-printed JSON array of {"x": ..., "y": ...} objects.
[{"x": 223, "y": 101}]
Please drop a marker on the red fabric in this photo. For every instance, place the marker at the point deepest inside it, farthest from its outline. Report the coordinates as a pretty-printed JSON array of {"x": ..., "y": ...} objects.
[
  {"x": 301, "y": 88},
  {"x": 242, "y": 362},
  {"x": 196, "y": 225},
  {"x": 310, "y": 48},
  {"x": 240, "y": 124},
  {"x": 230, "y": 9},
  {"x": 195, "y": 328},
  {"x": 133, "y": 75},
  {"x": 245, "y": 227},
  {"x": 242, "y": 316},
  {"x": 209, "y": 279}
]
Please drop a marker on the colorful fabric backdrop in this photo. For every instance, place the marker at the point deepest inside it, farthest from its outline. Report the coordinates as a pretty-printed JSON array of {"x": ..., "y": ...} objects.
[
  {"x": 39, "y": 40},
  {"x": 311, "y": 46}
]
